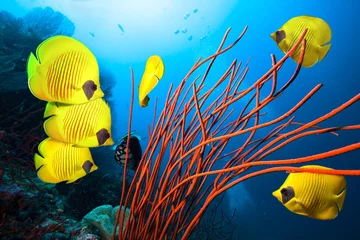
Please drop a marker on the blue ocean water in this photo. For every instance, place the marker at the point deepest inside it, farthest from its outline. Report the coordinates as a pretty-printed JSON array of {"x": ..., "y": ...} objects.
[{"x": 182, "y": 31}]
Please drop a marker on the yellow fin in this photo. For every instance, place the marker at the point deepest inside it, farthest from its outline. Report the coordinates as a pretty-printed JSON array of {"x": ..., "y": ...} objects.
[
  {"x": 48, "y": 146},
  {"x": 322, "y": 30},
  {"x": 155, "y": 63},
  {"x": 39, "y": 161},
  {"x": 32, "y": 65},
  {"x": 310, "y": 59},
  {"x": 43, "y": 171},
  {"x": 323, "y": 51},
  {"x": 52, "y": 129},
  {"x": 35, "y": 79},
  {"x": 330, "y": 212},
  {"x": 340, "y": 199},
  {"x": 50, "y": 109},
  {"x": 56, "y": 45}
]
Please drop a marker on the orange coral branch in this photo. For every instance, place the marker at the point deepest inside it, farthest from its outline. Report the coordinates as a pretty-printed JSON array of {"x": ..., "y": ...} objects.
[{"x": 170, "y": 190}]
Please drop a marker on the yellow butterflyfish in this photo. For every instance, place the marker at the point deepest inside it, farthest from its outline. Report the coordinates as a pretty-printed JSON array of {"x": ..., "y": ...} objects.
[
  {"x": 317, "y": 38},
  {"x": 85, "y": 125},
  {"x": 58, "y": 162},
  {"x": 154, "y": 71},
  {"x": 319, "y": 196},
  {"x": 64, "y": 70}
]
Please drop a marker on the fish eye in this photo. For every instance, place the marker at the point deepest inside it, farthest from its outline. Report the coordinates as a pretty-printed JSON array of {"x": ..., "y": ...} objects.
[
  {"x": 284, "y": 191},
  {"x": 287, "y": 194},
  {"x": 280, "y": 35}
]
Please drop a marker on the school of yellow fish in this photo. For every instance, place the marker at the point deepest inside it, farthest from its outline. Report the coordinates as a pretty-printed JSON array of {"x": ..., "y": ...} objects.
[
  {"x": 318, "y": 196},
  {"x": 65, "y": 73}
]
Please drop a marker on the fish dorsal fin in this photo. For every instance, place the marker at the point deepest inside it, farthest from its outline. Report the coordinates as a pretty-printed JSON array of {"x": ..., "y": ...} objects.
[{"x": 54, "y": 46}]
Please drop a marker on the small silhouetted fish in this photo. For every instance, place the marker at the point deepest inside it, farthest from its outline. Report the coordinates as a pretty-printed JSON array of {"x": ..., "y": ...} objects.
[
  {"x": 203, "y": 37},
  {"x": 190, "y": 38},
  {"x": 120, "y": 27},
  {"x": 186, "y": 15},
  {"x": 195, "y": 10},
  {"x": 177, "y": 31},
  {"x": 92, "y": 34},
  {"x": 184, "y": 30}
]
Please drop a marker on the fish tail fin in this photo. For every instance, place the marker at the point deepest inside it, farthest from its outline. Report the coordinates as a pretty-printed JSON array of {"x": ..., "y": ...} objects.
[
  {"x": 43, "y": 171},
  {"x": 32, "y": 65},
  {"x": 39, "y": 161},
  {"x": 35, "y": 79},
  {"x": 340, "y": 199},
  {"x": 50, "y": 109},
  {"x": 323, "y": 50},
  {"x": 52, "y": 129}
]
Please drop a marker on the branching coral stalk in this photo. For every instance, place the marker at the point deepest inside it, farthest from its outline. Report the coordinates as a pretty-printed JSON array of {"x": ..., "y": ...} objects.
[{"x": 171, "y": 189}]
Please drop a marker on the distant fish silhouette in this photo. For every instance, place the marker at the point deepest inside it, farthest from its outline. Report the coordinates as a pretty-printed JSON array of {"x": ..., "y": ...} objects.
[
  {"x": 121, "y": 28},
  {"x": 92, "y": 34}
]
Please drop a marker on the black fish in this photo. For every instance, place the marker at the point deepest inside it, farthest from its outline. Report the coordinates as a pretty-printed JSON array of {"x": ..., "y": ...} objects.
[{"x": 134, "y": 156}]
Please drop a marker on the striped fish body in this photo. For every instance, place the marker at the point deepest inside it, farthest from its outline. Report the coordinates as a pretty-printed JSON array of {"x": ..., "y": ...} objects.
[
  {"x": 317, "y": 38},
  {"x": 319, "y": 196},
  {"x": 85, "y": 125},
  {"x": 64, "y": 71},
  {"x": 58, "y": 161}
]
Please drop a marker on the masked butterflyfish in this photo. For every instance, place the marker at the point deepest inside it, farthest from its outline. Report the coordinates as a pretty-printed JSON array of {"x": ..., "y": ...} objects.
[
  {"x": 317, "y": 38},
  {"x": 154, "y": 71},
  {"x": 85, "y": 125},
  {"x": 58, "y": 162},
  {"x": 63, "y": 70},
  {"x": 319, "y": 196}
]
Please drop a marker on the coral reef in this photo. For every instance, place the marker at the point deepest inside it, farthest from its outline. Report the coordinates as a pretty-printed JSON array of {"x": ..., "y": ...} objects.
[
  {"x": 103, "y": 218},
  {"x": 20, "y": 36},
  {"x": 23, "y": 216}
]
